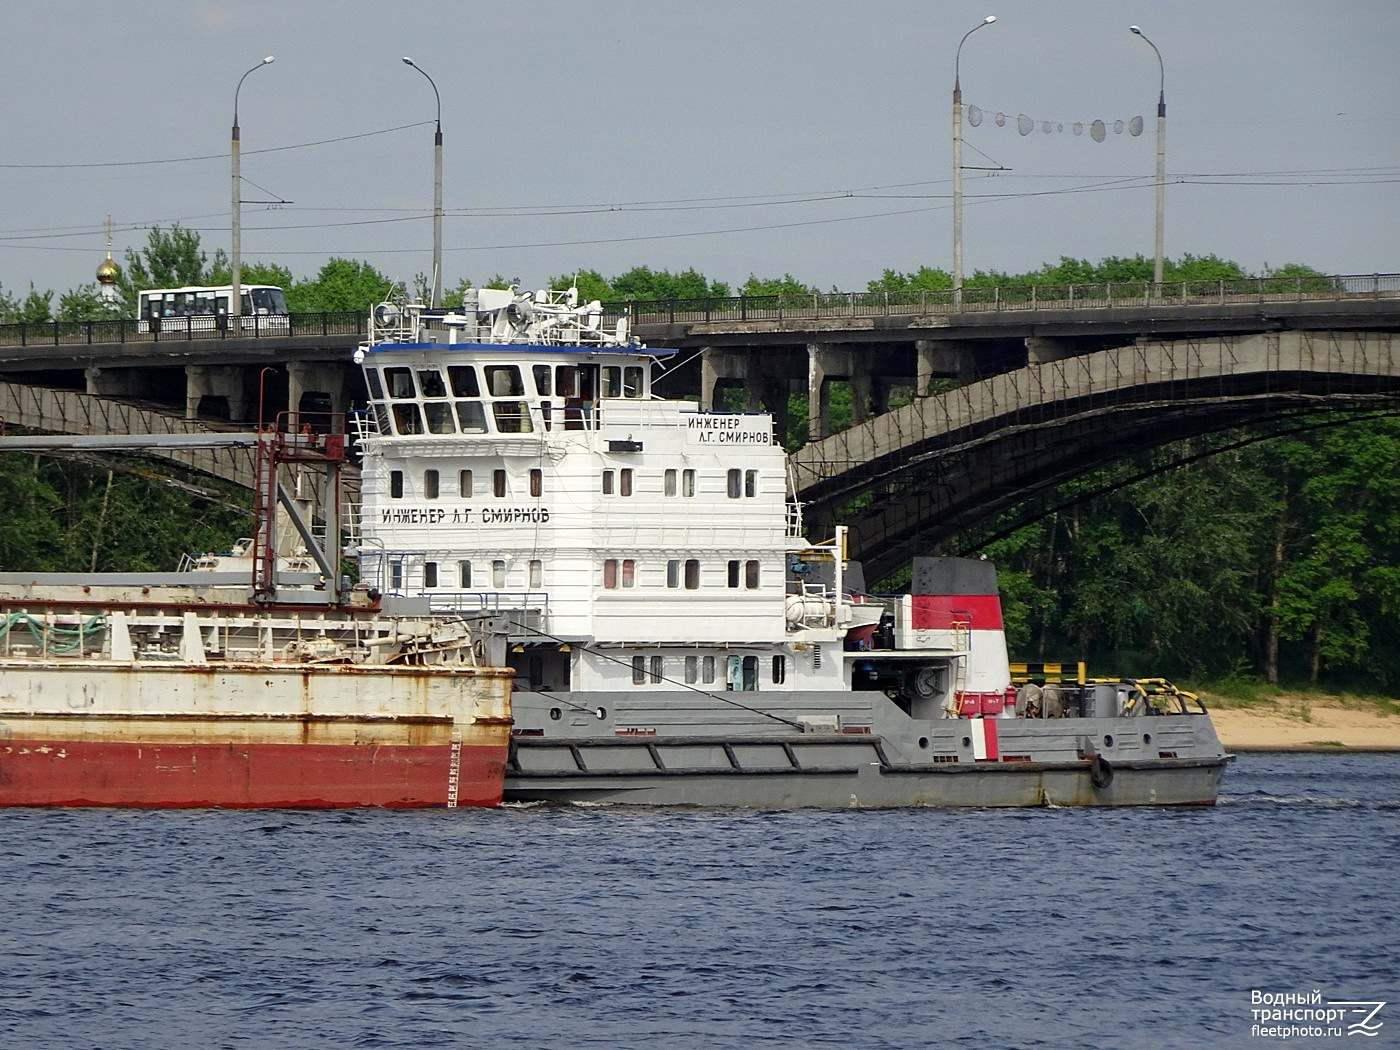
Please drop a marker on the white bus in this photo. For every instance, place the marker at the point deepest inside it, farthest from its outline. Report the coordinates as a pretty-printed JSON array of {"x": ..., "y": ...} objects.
[{"x": 203, "y": 309}]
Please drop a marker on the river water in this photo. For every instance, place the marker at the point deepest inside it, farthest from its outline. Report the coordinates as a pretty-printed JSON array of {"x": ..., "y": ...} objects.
[{"x": 617, "y": 927}]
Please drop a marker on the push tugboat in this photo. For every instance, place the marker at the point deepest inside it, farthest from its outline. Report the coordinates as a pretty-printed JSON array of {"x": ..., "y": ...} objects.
[{"x": 675, "y": 638}]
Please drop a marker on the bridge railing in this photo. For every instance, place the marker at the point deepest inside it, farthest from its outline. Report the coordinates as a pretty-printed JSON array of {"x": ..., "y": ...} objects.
[
  {"x": 179, "y": 329},
  {"x": 943, "y": 301}
]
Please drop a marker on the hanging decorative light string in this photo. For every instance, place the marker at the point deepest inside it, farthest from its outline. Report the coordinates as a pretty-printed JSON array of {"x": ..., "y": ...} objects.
[{"x": 1098, "y": 129}]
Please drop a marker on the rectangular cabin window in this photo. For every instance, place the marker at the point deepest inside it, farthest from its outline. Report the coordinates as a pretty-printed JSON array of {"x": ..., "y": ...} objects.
[
  {"x": 734, "y": 573},
  {"x": 376, "y": 388},
  {"x": 536, "y": 481},
  {"x": 543, "y": 387},
  {"x": 673, "y": 573},
  {"x": 609, "y": 478},
  {"x": 471, "y": 417},
  {"x": 464, "y": 484},
  {"x": 629, "y": 572},
  {"x": 396, "y": 484},
  {"x": 430, "y": 574},
  {"x": 504, "y": 381},
  {"x": 692, "y": 574},
  {"x": 566, "y": 381},
  {"x": 512, "y": 417},
  {"x": 439, "y": 414},
  {"x": 396, "y": 576},
  {"x": 639, "y": 670},
  {"x": 430, "y": 484},
  {"x": 670, "y": 487},
  {"x": 498, "y": 573},
  {"x": 536, "y": 573},
  {"x": 751, "y": 574},
  {"x": 464, "y": 574},
  {"x": 463, "y": 380},
  {"x": 735, "y": 483},
  {"x": 779, "y": 670},
  {"x": 430, "y": 381},
  {"x": 625, "y": 481},
  {"x": 688, "y": 482},
  {"x": 707, "y": 670},
  {"x": 498, "y": 483},
  {"x": 692, "y": 670},
  {"x": 400, "y": 381},
  {"x": 750, "y": 483},
  {"x": 658, "y": 666},
  {"x": 612, "y": 381},
  {"x": 610, "y": 574},
  {"x": 750, "y": 674},
  {"x": 632, "y": 379},
  {"x": 407, "y": 419}
]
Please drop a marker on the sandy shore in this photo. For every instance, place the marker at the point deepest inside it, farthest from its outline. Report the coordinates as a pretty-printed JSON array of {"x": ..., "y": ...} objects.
[{"x": 1306, "y": 726}]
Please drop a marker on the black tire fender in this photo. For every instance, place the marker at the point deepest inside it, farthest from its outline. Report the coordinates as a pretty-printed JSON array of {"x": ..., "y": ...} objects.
[{"x": 1100, "y": 772}]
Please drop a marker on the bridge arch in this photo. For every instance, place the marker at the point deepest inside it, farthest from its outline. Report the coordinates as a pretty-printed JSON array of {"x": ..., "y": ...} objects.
[{"x": 941, "y": 464}]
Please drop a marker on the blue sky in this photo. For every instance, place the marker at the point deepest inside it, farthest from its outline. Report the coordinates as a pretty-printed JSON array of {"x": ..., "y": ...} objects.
[{"x": 764, "y": 137}]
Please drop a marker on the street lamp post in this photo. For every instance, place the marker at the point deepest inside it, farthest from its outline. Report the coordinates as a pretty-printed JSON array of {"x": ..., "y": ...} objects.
[
  {"x": 1161, "y": 156},
  {"x": 235, "y": 305},
  {"x": 958, "y": 165},
  {"x": 437, "y": 190}
]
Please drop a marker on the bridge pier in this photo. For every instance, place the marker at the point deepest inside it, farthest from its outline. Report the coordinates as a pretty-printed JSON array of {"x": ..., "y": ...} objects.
[
  {"x": 826, "y": 362},
  {"x": 113, "y": 382},
  {"x": 225, "y": 381},
  {"x": 1042, "y": 349},
  {"x": 943, "y": 358},
  {"x": 720, "y": 369},
  {"x": 315, "y": 387}
]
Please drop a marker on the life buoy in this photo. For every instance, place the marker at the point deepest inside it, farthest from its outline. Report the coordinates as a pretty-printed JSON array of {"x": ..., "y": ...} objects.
[{"x": 1100, "y": 772}]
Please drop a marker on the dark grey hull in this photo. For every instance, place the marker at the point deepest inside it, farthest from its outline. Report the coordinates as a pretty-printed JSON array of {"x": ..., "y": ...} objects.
[{"x": 893, "y": 761}]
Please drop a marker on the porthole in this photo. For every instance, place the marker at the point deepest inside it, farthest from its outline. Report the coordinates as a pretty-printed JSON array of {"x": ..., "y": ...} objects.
[
  {"x": 602, "y": 713},
  {"x": 1107, "y": 740},
  {"x": 555, "y": 713},
  {"x": 923, "y": 742},
  {"x": 1147, "y": 738},
  {"x": 967, "y": 741}
]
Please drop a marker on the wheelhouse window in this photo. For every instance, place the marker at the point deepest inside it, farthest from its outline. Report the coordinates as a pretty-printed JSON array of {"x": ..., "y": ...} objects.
[
  {"x": 407, "y": 419},
  {"x": 543, "y": 386},
  {"x": 512, "y": 417},
  {"x": 439, "y": 416},
  {"x": 504, "y": 381},
  {"x": 400, "y": 383},
  {"x": 430, "y": 381}
]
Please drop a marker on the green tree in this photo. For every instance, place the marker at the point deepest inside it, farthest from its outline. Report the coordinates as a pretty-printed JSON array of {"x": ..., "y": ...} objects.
[
  {"x": 644, "y": 284},
  {"x": 342, "y": 285},
  {"x": 34, "y": 308},
  {"x": 171, "y": 259}
]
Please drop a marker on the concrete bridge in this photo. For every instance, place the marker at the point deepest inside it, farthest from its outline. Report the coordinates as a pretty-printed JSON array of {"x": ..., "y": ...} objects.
[{"x": 1012, "y": 390}]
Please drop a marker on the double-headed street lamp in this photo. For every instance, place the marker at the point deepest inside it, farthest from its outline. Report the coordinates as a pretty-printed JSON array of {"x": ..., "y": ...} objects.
[
  {"x": 957, "y": 163},
  {"x": 1161, "y": 154},
  {"x": 437, "y": 190},
  {"x": 235, "y": 305}
]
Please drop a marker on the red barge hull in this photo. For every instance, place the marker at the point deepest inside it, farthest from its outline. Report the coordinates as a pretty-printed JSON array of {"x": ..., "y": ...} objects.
[{"x": 248, "y": 776}]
